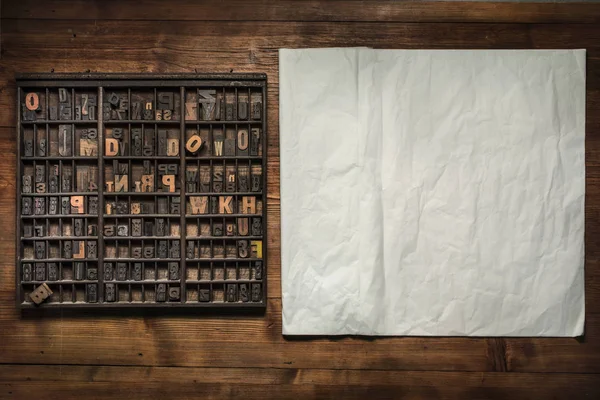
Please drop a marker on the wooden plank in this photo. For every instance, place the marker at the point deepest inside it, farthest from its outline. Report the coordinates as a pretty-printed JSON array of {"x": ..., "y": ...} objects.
[
  {"x": 304, "y": 10},
  {"x": 440, "y": 384},
  {"x": 190, "y": 390}
]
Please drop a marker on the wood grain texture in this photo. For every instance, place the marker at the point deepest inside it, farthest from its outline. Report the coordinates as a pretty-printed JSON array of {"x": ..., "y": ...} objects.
[
  {"x": 304, "y": 10},
  {"x": 179, "y": 355}
]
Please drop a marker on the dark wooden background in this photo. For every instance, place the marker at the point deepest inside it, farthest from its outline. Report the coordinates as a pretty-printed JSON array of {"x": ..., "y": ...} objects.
[{"x": 198, "y": 356}]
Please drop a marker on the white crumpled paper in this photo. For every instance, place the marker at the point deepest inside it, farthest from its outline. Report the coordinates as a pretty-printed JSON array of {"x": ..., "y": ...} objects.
[{"x": 429, "y": 192}]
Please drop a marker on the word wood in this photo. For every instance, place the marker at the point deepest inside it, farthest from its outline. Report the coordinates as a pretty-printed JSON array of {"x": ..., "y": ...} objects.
[{"x": 141, "y": 190}]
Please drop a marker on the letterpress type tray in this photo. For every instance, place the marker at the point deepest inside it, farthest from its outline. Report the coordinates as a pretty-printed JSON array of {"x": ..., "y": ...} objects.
[{"x": 141, "y": 190}]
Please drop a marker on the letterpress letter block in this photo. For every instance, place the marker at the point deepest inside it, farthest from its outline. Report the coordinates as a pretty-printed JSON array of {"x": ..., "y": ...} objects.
[
  {"x": 248, "y": 205},
  {"x": 258, "y": 270},
  {"x": 137, "y": 271},
  {"x": 255, "y": 142},
  {"x": 243, "y": 178},
  {"x": 256, "y": 227},
  {"x": 231, "y": 293},
  {"x": 230, "y": 186},
  {"x": 204, "y": 295},
  {"x": 205, "y": 178},
  {"x": 256, "y": 292},
  {"x": 217, "y": 229},
  {"x": 27, "y": 274},
  {"x": 65, "y": 205},
  {"x": 92, "y": 249},
  {"x": 161, "y": 292},
  {"x": 230, "y": 229},
  {"x": 173, "y": 271},
  {"x": 242, "y": 248},
  {"x": 162, "y": 249},
  {"x": 52, "y": 272},
  {"x": 93, "y": 205},
  {"x": 77, "y": 205},
  {"x": 122, "y": 230},
  {"x": 92, "y": 293},
  {"x": 242, "y": 142},
  {"x": 136, "y": 227},
  {"x": 40, "y": 250},
  {"x": 108, "y": 272},
  {"x": 79, "y": 271},
  {"x": 174, "y": 293},
  {"x": 65, "y": 140},
  {"x": 40, "y": 230},
  {"x": 67, "y": 250},
  {"x": 92, "y": 274},
  {"x": 122, "y": 271},
  {"x": 175, "y": 205},
  {"x": 28, "y": 148},
  {"x": 26, "y": 184},
  {"x": 256, "y": 248},
  {"x": 225, "y": 205},
  {"x": 175, "y": 250},
  {"x": 78, "y": 226},
  {"x": 244, "y": 297},
  {"x": 40, "y": 294},
  {"x": 190, "y": 250},
  {"x": 148, "y": 251},
  {"x": 110, "y": 292},
  {"x": 26, "y": 206},
  {"x": 40, "y": 272},
  {"x": 218, "y": 178}
]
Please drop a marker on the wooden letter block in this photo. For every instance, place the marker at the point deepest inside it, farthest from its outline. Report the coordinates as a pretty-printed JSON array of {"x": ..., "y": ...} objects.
[
  {"x": 121, "y": 183},
  {"x": 231, "y": 293},
  {"x": 65, "y": 140},
  {"x": 244, "y": 295},
  {"x": 173, "y": 271},
  {"x": 258, "y": 270},
  {"x": 256, "y": 292},
  {"x": 199, "y": 204},
  {"x": 256, "y": 227},
  {"x": 172, "y": 147},
  {"x": 167, "y": 115},
  {"x": 67, "y": 250},
  {"x": 205, "y": 178},
  {"x": 256, "y": 248},
  {"x": 161, "y": 292},
  {"x": 218, "y": 146},
  {"x": 136, "y": 208},
  {"x": 169, "y": 182},
  {"x": 149, "y": 252},
  {"x": 121, "y": 271},
  {"x": 79, "y": 273},
  {"x": 242, "y": 248},
  {"x": 217, "y": 178},
  {"x": 92, "y": 274},
  {"x": 108, "y": 272},
  {"x": 225, "y": 205},
  {"x": 110, "y": 292},
  {"x": 230, "y": 185},
  {"x": 92, "y": 249},
  {"x": 28, "y": 145},
  {"x": 52, "y": 272},
  {"x": 122, "y": 230},
  {"x": 26, "y": 184},
  {"x": 40, "y": 272},
  {"x": 27, "y": 274},
  {"x": 248, "y": 205},
  {"x": 255, "y": 142},
  {"x": 160, "y": 227},
  {"x": 87, "y": 147},
  {"x": 78, "y": 249},
  {"x": 191, "y": 111},
  {"x": 147, "y": 183},
  {"x": 111, "y": 147},
  {"x": 230, "y": 229},
  {"x": 40, "y": 294},
  {"x": 193, "y": 144},
  {"x": 39, "y": 206},
  {"x": 32, "y": 101},
  {"x": 92, "y": 293},
  {"x": 77, "y": 205},
  {"x": 162, "y": 249},
  {"x": 204, "y": 295},
  {"x": 242, "y": 142},
  {"x": 174, "y": 293},
  {"x": 26, "y": 206},
  {"x": 137, "y": 272},
  {"x": 165, "y": 101}
]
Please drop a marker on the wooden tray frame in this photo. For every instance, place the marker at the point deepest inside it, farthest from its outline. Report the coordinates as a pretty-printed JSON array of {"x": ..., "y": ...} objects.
[{"x": 104, "y": 82}]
